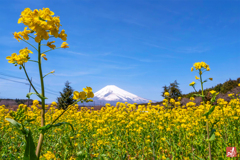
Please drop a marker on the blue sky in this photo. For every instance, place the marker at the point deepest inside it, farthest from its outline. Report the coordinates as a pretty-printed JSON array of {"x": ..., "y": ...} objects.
[{"x": 139, "y": 46}]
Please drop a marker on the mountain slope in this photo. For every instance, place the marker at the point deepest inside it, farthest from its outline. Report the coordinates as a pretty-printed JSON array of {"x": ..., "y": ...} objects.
[{"x": 113, "y": 94}]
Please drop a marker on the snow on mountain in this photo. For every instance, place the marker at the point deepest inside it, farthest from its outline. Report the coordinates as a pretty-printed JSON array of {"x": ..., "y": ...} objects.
[{"x": 113, "y": 94}]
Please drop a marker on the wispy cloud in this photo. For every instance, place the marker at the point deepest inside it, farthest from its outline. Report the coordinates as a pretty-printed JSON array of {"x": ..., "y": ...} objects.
[
  {"x": 111, "y": 61},
  {"x": 136, "y": 58},
  {"x": 119, "y": 67},
  {"x": 85, "y": 54},
  {"x": 74, "y": 74},
  {"x": 103, "y": 76},
  {"x": 168, "y": 56},
  {"x": 190, "y": 49},
  {"x": 157, "y": 46},
  {"x": 133, "y": 22},
  {"x": 134, "y": 75},
  {"x": 78, "y": 53}
]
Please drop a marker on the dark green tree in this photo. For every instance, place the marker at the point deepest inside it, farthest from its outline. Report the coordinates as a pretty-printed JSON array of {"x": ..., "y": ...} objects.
[
  {"x": 66, "y": 98},
  {"x": 173, "y": 90}
]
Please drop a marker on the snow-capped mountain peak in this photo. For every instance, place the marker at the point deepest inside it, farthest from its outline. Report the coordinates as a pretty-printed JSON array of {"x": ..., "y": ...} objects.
[{"x": 113, "y": 94}]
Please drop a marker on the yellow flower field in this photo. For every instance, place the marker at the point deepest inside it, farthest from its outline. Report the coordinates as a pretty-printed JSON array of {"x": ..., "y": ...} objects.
[
  {"x": 116, "y": 132},
  {"x": 126, "y": 132}
]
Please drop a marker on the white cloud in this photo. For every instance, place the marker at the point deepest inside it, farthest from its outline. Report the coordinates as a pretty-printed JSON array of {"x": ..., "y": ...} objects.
[
  {"x": 74, "y": 74},
  {"x": 191, "y": 49},
  {"x": 137, "y": 59}
]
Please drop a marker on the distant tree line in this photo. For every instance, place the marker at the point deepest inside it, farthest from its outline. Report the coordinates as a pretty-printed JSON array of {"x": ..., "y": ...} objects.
[{"x": 175, "y": 92}]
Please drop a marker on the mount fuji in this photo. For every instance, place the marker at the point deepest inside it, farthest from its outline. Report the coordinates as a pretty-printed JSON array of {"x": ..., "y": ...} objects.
[{"x": 113, "y": 94}]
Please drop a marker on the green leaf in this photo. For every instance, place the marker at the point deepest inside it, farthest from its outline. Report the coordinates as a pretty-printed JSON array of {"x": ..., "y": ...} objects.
[
  {"x": 124, "y": 156},
  {"x": 212, "y": 137},
  {"x": 48, "y": 126},
  {"x": 213, "y": 99},
  {"x": 168, "y": 143},
  {"x": 61, "y": 123},
  {"x": 199, "y": 95},
  {"x": 30, "y": 148},
  {"x": 196, "y": 156},
  {"x": 14, "y": 123},
  {"x": 30, "y": 93},
  {"x": 45, "y": 128},
  {"x": 30, "y": 120},
  {"x": 212, "y": 131},
  {"x": 213, "y": 124},
  {"x": 210, "y": 111},
  {"x": 204, "y": 81}
]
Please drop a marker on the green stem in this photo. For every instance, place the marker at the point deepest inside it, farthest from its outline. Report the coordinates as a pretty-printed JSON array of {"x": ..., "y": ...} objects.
[
  {"x": 63, "y": 112},
  {"x": 194, "y": 88},
  {"x": 40, "y": 141},
  {"x": 209, "y": 145},
  {"x": 30, "y": 44},
  {"x": 51, "y": 50},
  {"x": 30, "y": 81},
  {"x": 33, "y": 61},
  {"x": 31, "y": 37}
]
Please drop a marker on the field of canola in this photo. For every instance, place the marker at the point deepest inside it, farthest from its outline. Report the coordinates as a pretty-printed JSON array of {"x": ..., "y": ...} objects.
[
  {"x": 126, "y": 132},
  {"x": 115, "y": 132}
]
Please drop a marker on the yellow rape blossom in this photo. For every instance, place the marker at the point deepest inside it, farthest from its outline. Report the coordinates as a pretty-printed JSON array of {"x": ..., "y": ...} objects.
[
  {"x": 17, "y": 36},
  {"x": 40, "y": 21},
  {"x": 25, "y": 51},
  {"x": 49, "y": 155},
  {"x": 54, "y": 103},
  {"x": 62, "y": 35},
  {"x": 192, "y": 84},
  {"x": 192, "y": 99},
  {"x": 25, "y": 33},
  {"x": 87, "y": 89},
  {"x": 50, "y": 45},
  {"x": 64, "y": 45},
  {"x": 197, "y": 77},
  {"x": 77, "y": 95},
  {"x": 44, "y": 56},
  {"x": 35, "y": 102},
  {"x": 166, "y": 94}
]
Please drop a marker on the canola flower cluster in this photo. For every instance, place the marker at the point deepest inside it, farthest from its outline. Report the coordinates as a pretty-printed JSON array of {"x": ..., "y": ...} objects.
[
  {"x": 125, "y": 129},
  {"x": 43, "y": 24}
]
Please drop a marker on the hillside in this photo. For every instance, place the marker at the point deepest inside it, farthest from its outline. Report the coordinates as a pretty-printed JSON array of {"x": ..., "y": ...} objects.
[{"x": 116, "y": 94}]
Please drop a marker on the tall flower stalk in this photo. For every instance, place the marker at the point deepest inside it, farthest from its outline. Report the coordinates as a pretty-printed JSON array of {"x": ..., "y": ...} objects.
[
  {"x": 200, "y": 66},
  {"x": 43, "y": 24},
  {"x": 40, "y": 141}
]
